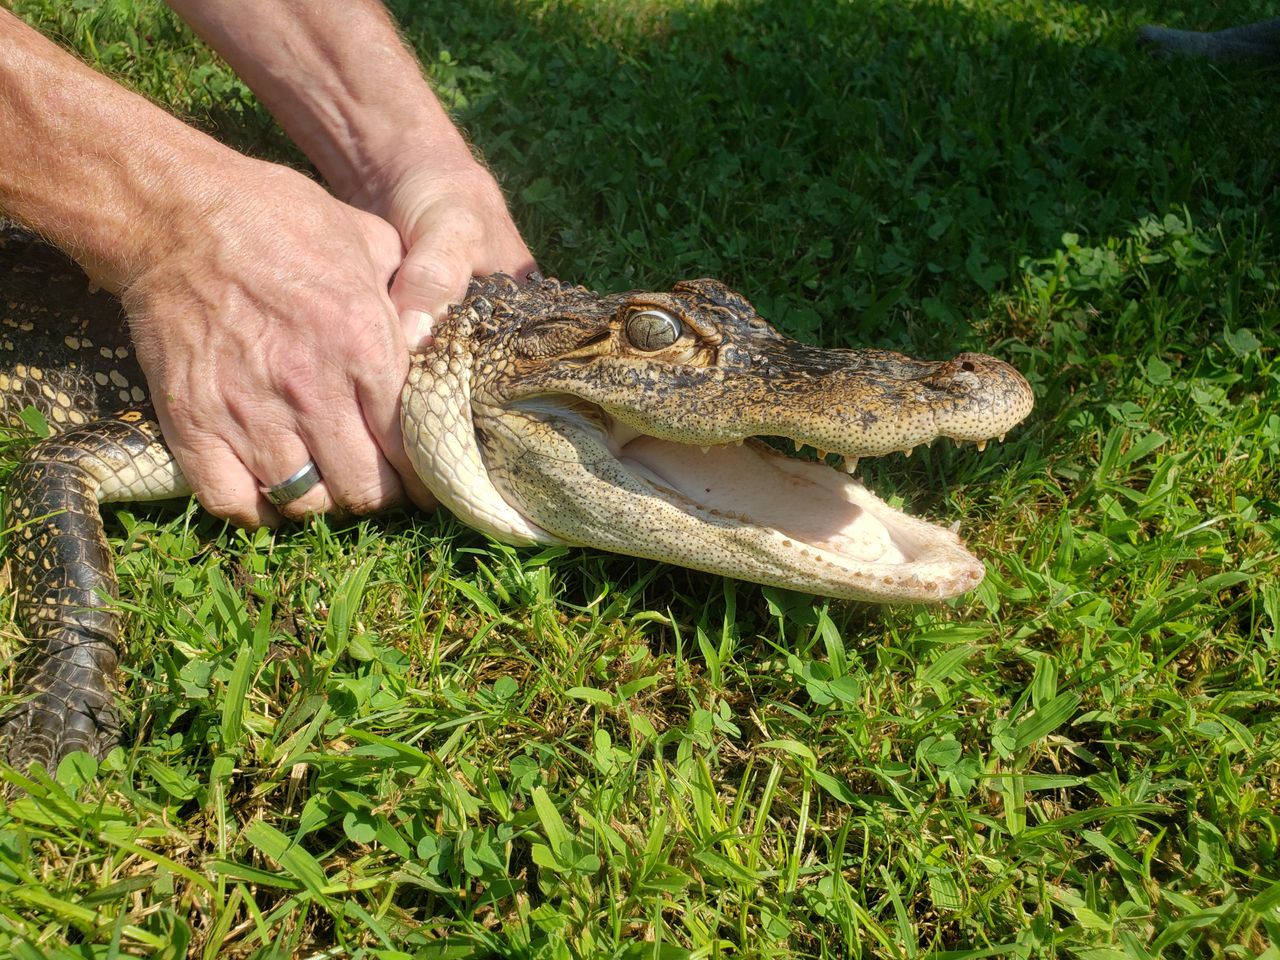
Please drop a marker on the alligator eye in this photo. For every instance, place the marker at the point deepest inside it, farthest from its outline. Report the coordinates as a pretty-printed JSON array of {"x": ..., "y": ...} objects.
[{"x": 652, "y": 329}]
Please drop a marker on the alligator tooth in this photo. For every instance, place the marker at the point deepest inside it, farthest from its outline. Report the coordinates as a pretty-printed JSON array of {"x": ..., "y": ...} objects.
[
  {"x": 907, "y": 451},
  {"x": 705, "y": 449},
  {"x": 739, "y": 442},
  {"x": 982, "y": 445},
  {"x": 1000, "y": 439},
  {"x": 822, "y": 454},
  {"x": 850, "y": 465}
]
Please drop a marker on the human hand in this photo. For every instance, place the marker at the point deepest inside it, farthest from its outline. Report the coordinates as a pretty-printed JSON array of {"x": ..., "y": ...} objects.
[
  {"x": 454, "y": 224},
  {"x": 262, "y": 320}
]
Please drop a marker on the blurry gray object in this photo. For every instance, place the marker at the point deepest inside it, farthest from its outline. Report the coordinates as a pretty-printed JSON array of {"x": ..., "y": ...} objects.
[{"x": 1253, "y": 41}]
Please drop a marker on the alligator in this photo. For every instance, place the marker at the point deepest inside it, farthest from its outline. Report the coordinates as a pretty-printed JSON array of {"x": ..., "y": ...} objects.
[{"x": 542, "y": 413}]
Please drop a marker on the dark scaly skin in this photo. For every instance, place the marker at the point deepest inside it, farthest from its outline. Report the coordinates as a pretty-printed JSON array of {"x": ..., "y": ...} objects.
[
  {"x": 65, "y": 581},
  {"x": 64, "y": 351},
  {"x": 737, "y": 361}
]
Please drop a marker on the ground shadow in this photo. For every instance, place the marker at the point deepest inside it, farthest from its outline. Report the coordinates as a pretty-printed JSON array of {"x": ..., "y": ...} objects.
[{"x": 868, "y": 171}]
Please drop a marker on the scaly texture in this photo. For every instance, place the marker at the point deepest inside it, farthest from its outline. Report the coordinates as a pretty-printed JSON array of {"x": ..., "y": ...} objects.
[
  {"x": 542, "y": 413},
  {"x": 64, "y": 352},
  {"x": 626, "y": 423}
]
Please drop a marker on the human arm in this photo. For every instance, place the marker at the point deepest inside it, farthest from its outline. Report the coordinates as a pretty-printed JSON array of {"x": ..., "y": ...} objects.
[
  {"x": 257, "y": 302},
  {"x": 342, "y": 84}
]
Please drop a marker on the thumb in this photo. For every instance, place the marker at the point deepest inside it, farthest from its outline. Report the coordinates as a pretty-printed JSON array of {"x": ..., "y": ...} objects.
[{"x": 430, "y": 278}]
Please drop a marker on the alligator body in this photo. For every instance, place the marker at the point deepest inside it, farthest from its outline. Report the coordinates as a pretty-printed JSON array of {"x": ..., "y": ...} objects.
[{"x": 542, "y": 413}]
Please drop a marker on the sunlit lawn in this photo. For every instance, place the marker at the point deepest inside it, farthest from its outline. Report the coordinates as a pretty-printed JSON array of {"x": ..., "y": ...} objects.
[{"x": 395, "y": 739}]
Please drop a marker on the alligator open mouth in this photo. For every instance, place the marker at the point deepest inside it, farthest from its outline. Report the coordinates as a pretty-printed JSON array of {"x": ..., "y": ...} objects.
[
  {"x": 753, "y": 483},
  {"x": 743, "y": 509}
]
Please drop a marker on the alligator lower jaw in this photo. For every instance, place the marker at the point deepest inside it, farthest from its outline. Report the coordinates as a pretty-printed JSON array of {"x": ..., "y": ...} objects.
[
  {"x": 744, "y": 511},
  {"x": 824, "y": 528}
]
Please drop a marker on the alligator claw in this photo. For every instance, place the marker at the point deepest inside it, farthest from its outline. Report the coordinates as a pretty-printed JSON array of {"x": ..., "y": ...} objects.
[{"x": 45, "y": 727}]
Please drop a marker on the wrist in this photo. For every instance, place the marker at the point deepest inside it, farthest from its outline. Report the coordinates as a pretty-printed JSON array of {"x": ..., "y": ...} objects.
[
  {"x": 366, "y": 168},
  {"x": 340, "y": 81},
  {"x": 169, "y": 201},
  {"x": 385, "y": 185},
  {"x": 215, "y": 202}
]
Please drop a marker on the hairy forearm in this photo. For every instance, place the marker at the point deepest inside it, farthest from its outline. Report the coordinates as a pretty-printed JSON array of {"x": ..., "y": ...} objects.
[
  {"x": 338, "y": 79},
  {"x": 97, "y": 170}
]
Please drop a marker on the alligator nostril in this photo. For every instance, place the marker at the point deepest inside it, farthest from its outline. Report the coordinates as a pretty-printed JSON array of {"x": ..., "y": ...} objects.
[{"x": 967, "y": 366}]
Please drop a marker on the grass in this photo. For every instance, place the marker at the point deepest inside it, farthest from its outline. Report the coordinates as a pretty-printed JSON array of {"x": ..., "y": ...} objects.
[{"x": 394, "y": 739}]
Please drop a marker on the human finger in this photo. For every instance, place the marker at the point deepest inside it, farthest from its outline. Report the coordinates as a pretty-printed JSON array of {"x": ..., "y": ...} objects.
[
  {"x": 273, "y": 457},
  {"x": 357, "y": 476},
  {"x": 451, "y": 239},
  {"x": 221, "y": 482},
  {"x": 433, "y": 275}
]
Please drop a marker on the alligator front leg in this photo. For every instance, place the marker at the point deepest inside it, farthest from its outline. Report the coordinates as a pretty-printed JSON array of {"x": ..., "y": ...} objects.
[{"x": 64, "y": 575}]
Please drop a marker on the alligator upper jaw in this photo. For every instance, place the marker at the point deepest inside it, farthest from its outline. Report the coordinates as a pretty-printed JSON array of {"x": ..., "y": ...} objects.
[{"x": 742, "y": 510}]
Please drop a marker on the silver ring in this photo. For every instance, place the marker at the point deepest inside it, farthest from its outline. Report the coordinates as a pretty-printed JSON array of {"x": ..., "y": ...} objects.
[{"x": 295, "y": 487}]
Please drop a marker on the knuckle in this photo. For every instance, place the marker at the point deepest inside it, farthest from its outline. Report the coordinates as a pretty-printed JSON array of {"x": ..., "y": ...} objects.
[
  {"x": 431, "y": 277},
  {"x": 315, "y": 501},
  {"x": 371, "y": 499},
  {"x": 468, "y": 223},
  {"x": 241, "y": 512}
]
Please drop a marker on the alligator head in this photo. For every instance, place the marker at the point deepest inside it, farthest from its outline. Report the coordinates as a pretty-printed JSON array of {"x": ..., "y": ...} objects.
[{"x": 548, "y": 413}]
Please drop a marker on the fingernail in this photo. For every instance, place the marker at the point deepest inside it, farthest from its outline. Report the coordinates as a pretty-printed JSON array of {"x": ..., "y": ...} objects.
[{"x": 417, "y": 328}]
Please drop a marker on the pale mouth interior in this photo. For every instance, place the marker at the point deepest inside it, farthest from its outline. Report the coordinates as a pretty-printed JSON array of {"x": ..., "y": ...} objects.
[{"x": 819, "y": 507}]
